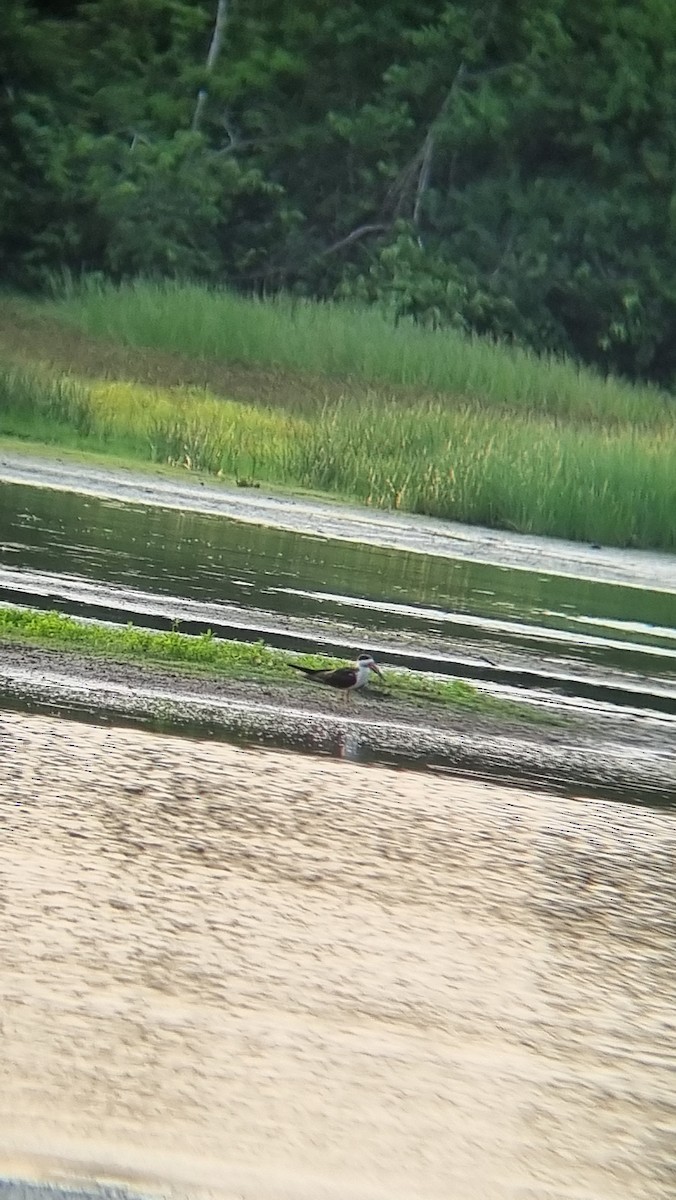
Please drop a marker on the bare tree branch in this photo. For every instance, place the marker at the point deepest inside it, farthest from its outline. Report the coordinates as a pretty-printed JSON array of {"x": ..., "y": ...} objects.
[
  {"x": 354, "y": 236},
  {"x": 138, "y": 139},
  {"x": 415, "y": 176},
  {"x": 402, "y": 185},
  {"x": 214, "y": 48},
  {"x": 424, "y": 175}
]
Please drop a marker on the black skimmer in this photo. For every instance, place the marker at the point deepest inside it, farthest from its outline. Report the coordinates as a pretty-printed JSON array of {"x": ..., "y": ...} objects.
[{"x": 345, "y": 679}]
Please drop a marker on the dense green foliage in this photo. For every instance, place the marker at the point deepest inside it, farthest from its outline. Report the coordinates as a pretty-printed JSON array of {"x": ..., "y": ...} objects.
[{"x": 508, "y": 169}]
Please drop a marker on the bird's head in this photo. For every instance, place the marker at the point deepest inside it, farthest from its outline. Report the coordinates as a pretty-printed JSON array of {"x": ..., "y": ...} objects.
[{"x": 366, "y": 662}]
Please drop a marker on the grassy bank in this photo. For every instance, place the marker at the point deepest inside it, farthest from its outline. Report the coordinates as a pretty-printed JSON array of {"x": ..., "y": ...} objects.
[
  {"x": 230, "y": 659},
  {"x": 613, "y": 485},
  {"x": 355, "y": 343},
  {"x": 338, "y": 400}
]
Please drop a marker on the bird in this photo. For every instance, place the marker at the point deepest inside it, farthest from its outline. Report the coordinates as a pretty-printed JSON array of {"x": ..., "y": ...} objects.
[{"x": 345, "y": 679}]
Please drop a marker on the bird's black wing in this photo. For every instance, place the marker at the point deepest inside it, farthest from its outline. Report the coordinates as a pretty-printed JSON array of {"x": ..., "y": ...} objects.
[
  {"x": 312, "y": 672},
  {"x": 341, "y": 677}
]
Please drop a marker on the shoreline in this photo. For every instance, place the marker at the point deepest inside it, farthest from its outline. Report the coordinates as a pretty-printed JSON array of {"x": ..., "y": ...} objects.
[
  {"x": 621, "y": 756},
  {"x": 613, "y": 753},
  {"x": 337, "y": 519}
]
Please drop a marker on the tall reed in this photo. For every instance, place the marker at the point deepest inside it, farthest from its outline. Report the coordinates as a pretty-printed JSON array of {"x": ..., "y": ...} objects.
[
  {"x": 358, "y": 343},
  {"x": 531, "y": 473}
]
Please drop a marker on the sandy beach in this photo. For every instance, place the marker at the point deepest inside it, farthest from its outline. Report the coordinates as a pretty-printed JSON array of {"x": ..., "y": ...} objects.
[{"x": 247, "y": 973}]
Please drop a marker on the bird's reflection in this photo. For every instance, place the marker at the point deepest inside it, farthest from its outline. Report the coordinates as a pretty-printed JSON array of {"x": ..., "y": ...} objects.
[{"x": 350, "y": 746}]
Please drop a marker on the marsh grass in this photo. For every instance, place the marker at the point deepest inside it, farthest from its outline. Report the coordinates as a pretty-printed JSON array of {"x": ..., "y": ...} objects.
[
  {"x": 236, "y": 660},
  {"x": 35, "y": 401},
  {"x": 355, "y": 343},
  {"x": 513, "y": 442},
  {"x": 179, "y": 427},
  {"x": 529, "y": 474},
  {"x": 532, "y": 474},
  {"x": 62, "y": 632}
]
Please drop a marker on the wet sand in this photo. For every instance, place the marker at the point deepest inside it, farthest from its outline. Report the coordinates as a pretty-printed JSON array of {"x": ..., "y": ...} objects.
[
  {"x": 615, "y": 754},
  {"x": 249, "y": 974}
]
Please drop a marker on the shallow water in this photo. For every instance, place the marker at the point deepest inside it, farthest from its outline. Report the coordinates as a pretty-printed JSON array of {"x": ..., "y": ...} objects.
[
  {"x": 630, "y": 763},
  {"x": 522, "y": 628},
  {"x": 244, "y": 973}
]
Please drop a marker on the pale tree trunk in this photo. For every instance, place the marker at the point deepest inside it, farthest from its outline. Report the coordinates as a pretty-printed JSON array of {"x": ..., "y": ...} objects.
[
  {"x": 424, "y": 176},
  {"x": 214, "y": 48}
]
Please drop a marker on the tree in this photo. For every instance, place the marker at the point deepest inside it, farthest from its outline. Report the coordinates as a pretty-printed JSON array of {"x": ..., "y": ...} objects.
[
  {"x": 538, "y": 174},
  {"x": 507, "y": 169}
]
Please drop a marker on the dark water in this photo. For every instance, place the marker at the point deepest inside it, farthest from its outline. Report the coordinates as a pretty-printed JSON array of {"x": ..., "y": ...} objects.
[
  {"x": 337, "y": 593},
  {"x": 20, "y": 1189}
]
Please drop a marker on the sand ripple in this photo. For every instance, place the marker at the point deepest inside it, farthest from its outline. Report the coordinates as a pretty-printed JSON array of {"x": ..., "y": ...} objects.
[{"x": 260, "y": 975}]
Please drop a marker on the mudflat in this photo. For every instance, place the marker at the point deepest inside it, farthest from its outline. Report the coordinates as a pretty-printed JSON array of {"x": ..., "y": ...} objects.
[
  {"x": 252, "y": 974},
  {"x": 617, "y": 753}
]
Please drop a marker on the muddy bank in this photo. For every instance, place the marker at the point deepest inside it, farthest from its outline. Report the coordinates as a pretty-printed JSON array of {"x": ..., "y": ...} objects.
[
  {"x": 247, "y": 974},
  {"x": 630, "y": 757},
  {"x": 401, "y": 531}
]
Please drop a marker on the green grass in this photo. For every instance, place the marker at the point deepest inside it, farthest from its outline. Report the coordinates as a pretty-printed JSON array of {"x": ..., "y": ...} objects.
[
  {"x": 177, "y": 427},
  {"x": 614, "y": 484},
  {"x": 236, "y": 660},
  {"x": 357, "y": 343}
]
